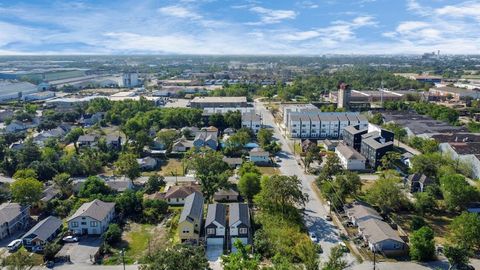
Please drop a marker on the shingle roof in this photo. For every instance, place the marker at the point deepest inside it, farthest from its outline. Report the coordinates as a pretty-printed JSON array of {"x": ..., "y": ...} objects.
[
  {"x": 360, "y": 210},
  {"x": 216, "y": 212},
  {"x": 193, "y": 207},
  {"x": 45, "y": 228},
  {"x": 259, "y": 152},
  {"x": 9, "y": 211},
  {"x": 348, "y": 152},
  {"x": 95, "y": 209},
  {"x": 377, "y": 231},
  {"x": 86, "y": 138},
  {"x": 239, "y": 212},
  {"x": 181, "y": 191}
]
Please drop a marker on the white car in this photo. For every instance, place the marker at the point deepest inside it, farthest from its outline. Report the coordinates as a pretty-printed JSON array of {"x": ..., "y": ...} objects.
[
  {"x": 313, "y": 237},
  {"x": 14, "y": 245},
  {"x": 277, "y": 159},
  {"x": 70, "y": 239}
]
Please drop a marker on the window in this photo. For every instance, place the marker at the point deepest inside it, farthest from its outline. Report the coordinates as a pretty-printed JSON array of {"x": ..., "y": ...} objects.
[
  {"x": 242, "y": 231},
  {"x": 84, "y": 223},
  {"x": 185, "y": 231},
  {"x": 314, "y": 125},
  {"x": 93, "y": 224},
  {"x": 74, "y": 224},
  {"x": 294, "y": 125},
  {"x": 210, "y": 231}
]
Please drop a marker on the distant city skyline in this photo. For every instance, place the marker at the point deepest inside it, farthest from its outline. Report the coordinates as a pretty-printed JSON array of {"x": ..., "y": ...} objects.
[{"x": 304, "y": 27}]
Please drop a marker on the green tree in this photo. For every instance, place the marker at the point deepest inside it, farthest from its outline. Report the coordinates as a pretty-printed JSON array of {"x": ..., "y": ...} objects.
[
  {"x": 335, "y": 260},
  {"x": 422, "y": 244},
  {"x": 73, "y": 136},
  {"x": 389, "y": 159},
  {"x": 211, "y": 170},
  {"x": 26, "y": 191},
  {"x": 464, "y": 231},
  {"x": 167, "y": 137},
  {"x": 428, "y": 164},
  {"x": 64, "y": 183},
  {"x": 154, "y": 183},
  {"x": 264, "y": 137},
  {"x": 241, "y": 259},
  {"x": 248, "y": 167},
  {"x": 456, "y": 256},
  {"x": 399, "y": 132},
  {"x": 127, "y": 165},
  {"x": 386, "y": 193},
  {"x": 179, "y": 257},
  {"x": 93, "y": 187},
  {"x": 113, "y": 234},
  {"x": 424, "y": 203},
  {"x": 154, "y": 211},
  {"x": 456, "y": 191},
  {"x": 20, "y": 260},
  {"x": 331, "y": 167},
  {"x": 376, "y": 119},
  {"x": 249, "y": 185},
  {"x": 281, "y": 193},
  {"x": 235, "y": 143},
  {"x": 129, "y": 204}
]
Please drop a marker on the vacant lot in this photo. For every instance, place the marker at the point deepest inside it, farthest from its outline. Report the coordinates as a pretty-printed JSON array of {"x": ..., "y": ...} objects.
[
  {"x": 269, "y": 170},
  {"x": 172, "y": 167}
]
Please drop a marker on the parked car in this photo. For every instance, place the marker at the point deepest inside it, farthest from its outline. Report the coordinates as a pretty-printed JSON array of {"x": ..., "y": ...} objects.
[
  {"x": 328, "y": 218},
  {"x": 277, "y": 159},
  {"x": 14, "y": 245},
  {"x": 70, "y": 239},
  {"x": 313, "y": 237}
]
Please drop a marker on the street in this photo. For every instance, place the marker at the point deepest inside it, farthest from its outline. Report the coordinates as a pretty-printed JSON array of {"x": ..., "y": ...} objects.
[{"x": 315, "y": 210}]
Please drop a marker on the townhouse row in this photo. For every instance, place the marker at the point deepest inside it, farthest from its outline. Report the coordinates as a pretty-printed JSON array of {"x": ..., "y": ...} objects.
[{"x": 314, "y": 124}]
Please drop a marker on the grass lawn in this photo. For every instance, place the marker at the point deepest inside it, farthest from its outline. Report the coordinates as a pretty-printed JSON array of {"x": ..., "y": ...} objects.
[
  {"x": 173, "y": 166},
  {"x": 269, "y": 170},
  {"x": 366, "y": 185},
  {"x": 438, "y": 222}
]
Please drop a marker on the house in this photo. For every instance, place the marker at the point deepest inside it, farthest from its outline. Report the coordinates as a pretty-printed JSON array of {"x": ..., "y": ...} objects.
[
  {"x": 215, "y": 224},
  {"x": 42, "y": 233},
  {"x": 226, "y": 195},
  {"x": 375, "y": 145},
  {"x": 360, "y": 212},
  {"x": 229, "y": 131},
  {"x": 91, "y": 119},
  {"x": 406, "y": 159},
  {"x": 240, "y": 226},
  {"x": 176, "y": 195},
  {"x": 147, "y": 163},
  {"x": 352, "y": 136},
  {"x": 252, "y": 121},
  {"x": 206, "y": 137},
  {"x": 87, "y": 140},
  {"x": 233, "y": 162},
  {"x": 49, "y": 193},
  {"x": 190, "y": 222},
  {"x": 92, "y": 218},
  {"x": 417, "y": 182},
  {"x": 350, "y": 158},
  {"x": 56, "y": 133},
  {"x": 17, "y": 126},
  {"x": 13, "y": 218},
  {"x": 121, "y": 185},
  {"x": 381, "y": 238},
  {"x": 181, "y": 145},
  {"x": 258, "y": 156},
  {"x": 329, "y": 145},
  {"x": 114, "y": 141}
]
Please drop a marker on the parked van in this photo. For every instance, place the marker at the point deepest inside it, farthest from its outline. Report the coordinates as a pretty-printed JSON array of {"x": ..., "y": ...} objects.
[{"x": 14, "y": 245}]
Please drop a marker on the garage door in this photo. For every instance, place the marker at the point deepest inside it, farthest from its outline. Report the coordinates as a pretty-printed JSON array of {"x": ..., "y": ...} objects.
[{"x": 214, "y": 241}]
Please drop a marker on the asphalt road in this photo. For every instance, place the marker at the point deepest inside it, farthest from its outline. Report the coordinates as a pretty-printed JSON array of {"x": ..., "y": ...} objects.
[{"x": 315, "y": 210}]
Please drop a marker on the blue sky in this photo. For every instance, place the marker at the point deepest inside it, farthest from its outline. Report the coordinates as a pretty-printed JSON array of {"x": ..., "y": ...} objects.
[{"x": 313, "y": 27}]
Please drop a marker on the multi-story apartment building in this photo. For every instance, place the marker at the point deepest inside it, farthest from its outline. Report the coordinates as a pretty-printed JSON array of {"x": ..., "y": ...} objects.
[
  {"x": 352, "y": 136},
  {"x": 13, "y": 218},
  {"x": 375, "y": 145},
  {"x": 314, "y": 124},
  {"x": 252, "y": 121}
]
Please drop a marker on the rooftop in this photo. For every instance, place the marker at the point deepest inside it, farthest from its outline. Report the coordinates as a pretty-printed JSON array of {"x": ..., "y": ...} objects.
[
  {"x": 348, "y": 152},
  {"x": 219, "y": 99}
]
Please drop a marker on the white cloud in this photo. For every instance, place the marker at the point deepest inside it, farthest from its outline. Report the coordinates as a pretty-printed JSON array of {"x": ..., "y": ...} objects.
[
  {"x": 271, "y": 16},
  {"x": 467, "y": 9},
  {"x": 179, "y": 12}
]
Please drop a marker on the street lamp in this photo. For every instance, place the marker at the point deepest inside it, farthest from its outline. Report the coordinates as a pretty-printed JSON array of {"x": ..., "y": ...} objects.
[{"x": 123, "y": 257}]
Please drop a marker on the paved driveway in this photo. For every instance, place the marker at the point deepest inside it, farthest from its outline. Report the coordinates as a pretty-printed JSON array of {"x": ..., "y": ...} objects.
[
  {"x": 83, "y": 251},
  {"x": 213, "y": 254},
  {"x": 315, "y": 211}
]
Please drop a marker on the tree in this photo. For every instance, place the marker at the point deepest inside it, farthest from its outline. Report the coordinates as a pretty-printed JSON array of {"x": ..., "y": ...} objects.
[
  {"x": 167, "y": 137},
  {"x": 235, "y": 143},
  {"x": 248, "y": 167},
  {"x": 113, "y": 234},
  {"x": 50, "y": 250},
  {"x": 154, "y": 210},
  {"x": 422, "y": 244},
  {"x": 376, "y": 119},
  {"x": 20, "y": 260},
  {"x": 307, "y": 252},
  {"x": 64, "y": 183},
  {"x": 281, "y": 193},
  {"x": 424, "y": 203},
  {"x": 73, "y": 136},
  {"x": 241, "y": 259},
  {"x": 93, "y": 187},
  {"x": 249, "y": 185},
  {"x": 154, "y": 183},
  {"x": 217, "y": 121},
  {"x": 457, "y": 192},
  {"x": 233, "y": 119},
  {"x": 456, "y": 256},
  {"x": 331, "y": 167},
  {"x": 386, "y": 193},
  {"x": 428, "y": 164},
  {"x": 211, "y": 170},
  {"x": 335, "y": 260},
  {"x": 179, "y": 257},
  {"x": 399, "y": 132},
  {"x": 129, "y": 204},
  {"x": 264, "y": 137},
  {"x": 389, "y": 159},
  {"x": 342, "y": 186},
  {"x": 417, "y": 222},
  {"x": 313, "y": 153},
  {"x": 465, "y": 231},
  {"x": 25, "y": 174},
  {"x": 127, "y": 165},
  {"x": 27, "y": 191}
]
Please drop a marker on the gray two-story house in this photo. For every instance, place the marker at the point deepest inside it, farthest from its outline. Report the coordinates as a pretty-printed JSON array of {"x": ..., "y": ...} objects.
[
  {"x": 215, "y": 224},
  {"x": 13, "y": 218},
  {"x": 240, "y": 226},
  {"x": 92, "y": 218}
]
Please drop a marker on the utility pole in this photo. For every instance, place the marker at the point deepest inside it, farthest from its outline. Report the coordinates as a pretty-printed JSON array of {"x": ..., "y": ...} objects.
[
  {"x": 123, "y": 258},
  {"x": 374, "y": 260}
]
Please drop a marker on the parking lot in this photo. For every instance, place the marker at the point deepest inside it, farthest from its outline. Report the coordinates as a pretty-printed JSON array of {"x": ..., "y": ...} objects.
[{"x": 81, "y": 252}]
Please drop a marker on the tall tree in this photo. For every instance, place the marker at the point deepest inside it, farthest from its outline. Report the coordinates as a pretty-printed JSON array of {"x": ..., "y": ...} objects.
[
  {"x": 241, "y": 259},
  {"x": 386, "y": 193},
  {"x": 26, "y": 191},
  {"x": 249, "y": 185},
  {"x": 64, "y": 183},
  {"x": 335, "y": 260},
  {"x": 264, "y": 137},
  {"x": 73, "y": 136},
  {"x": 457, "y": 192},
  {"x": 281, "y": 193},
  {"x": 127, "y": 165},
  {"x": 179, "y": 257},
  {"x": 422, "y": 244},
  {"x": 465, "y": 231}
]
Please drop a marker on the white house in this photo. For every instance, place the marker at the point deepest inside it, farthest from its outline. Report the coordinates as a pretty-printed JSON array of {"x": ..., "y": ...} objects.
[
  {"x": 252, "y": 121},
  {"x": 350, "y": 158},
  {"x": 92, "y": 218},
  {"x": 360, "y": 212},
  {"x": 380, "y": 237}
]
